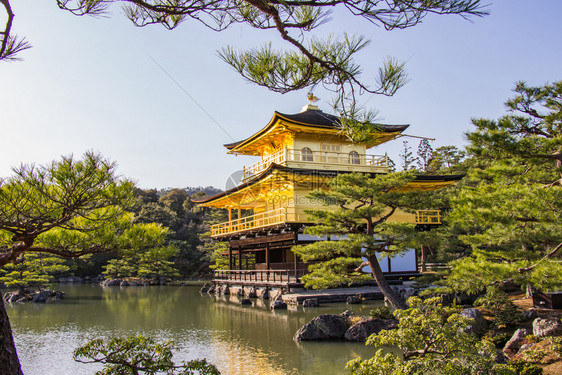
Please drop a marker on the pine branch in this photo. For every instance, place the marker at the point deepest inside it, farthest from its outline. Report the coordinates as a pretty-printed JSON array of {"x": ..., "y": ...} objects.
[{"x": 547, "y": 256}]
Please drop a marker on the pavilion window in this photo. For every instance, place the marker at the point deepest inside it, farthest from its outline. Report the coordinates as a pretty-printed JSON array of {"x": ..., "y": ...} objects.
[
  {"x": 354, "y": 158},
  {"x": 306, "y": 154}
]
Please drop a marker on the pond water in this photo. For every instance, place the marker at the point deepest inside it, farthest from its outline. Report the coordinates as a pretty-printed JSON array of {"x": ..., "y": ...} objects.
[{"x": 237, "y": 339}]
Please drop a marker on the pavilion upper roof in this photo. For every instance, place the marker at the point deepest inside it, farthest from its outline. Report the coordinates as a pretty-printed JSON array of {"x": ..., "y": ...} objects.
[{"x": 311, "y": 121}]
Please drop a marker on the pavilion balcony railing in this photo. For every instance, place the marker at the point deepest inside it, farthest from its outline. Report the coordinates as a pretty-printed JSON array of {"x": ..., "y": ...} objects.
[
  {"x": 262, "y": 219},
  {"x": 290, "y": 214},
  {"x": 428, "y": 217},
  {"x": 260, "y": 276},
  {"x": 378, "y": 163}
]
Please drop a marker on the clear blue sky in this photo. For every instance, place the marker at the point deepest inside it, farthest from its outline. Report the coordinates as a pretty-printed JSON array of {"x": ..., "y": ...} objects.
[{"x": 95, "y": 84}]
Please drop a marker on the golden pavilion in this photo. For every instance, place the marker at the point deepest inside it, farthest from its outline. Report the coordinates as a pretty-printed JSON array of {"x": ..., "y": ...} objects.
[{"x": 298, "y": 153}]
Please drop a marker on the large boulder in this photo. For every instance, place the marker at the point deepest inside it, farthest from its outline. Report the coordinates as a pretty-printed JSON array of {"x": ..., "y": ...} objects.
[
  {"x": 478, "y": 324},
  {"x": 324, "y": 327},
  {"x": 547, "y": 327},
  {"x": 515, "y": 342},
  {"x": 368, "y": 326}
]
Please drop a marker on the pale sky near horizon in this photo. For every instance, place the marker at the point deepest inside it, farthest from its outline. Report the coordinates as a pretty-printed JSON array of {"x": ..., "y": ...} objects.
[{"x": 102, "y": 84}]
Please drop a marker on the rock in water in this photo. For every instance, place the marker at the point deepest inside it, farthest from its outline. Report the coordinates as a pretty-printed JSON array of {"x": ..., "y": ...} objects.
[
  {"x": 368, "y": 326},
  {"x": 324, "y": 327},
  {"x": 205, "y": 288},
  {"x": 278, "y": 305},
  {"x": 41, "y": 296},
  {"x": 114, "y": 282},
  {"x": 353, "y": 300},
  {"x": 310, "y": 302},
  {"x": 58, "y": 295},
  {"x": 245, "y": 301}
]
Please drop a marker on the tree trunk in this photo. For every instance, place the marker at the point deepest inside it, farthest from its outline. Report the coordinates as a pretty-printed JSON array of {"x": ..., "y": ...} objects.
[
  {"x": 392, "y": 297},
  {"x": 529, "y": 291},
  {"x": 423, "y": 250},
  {"x": 9, "y": 362}
]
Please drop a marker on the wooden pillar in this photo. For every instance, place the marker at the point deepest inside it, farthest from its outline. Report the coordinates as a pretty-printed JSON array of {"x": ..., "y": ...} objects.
[
  {"x": 239, "y": 258},
  {"x": 267, "y": 261},
  {"x": 239, "y": 213},
  {"x": 230, "y": 257},
  {"x": 296, "y": 241}
]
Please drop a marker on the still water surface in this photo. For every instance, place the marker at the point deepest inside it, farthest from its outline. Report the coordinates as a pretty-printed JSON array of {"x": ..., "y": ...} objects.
[{"x": 237, "y": 339}]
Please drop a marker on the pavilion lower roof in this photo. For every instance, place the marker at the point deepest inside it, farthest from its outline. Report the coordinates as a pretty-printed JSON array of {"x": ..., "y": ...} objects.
[{"x": 279, "y": 177}]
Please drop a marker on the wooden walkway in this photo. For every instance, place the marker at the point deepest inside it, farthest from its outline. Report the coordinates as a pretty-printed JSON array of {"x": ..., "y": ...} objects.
[{"x": 332, "y": 295}]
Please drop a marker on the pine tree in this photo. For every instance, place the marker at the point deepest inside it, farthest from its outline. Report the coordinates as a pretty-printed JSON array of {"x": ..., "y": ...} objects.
[
  {"x": 69, "y": 208},
  {"x": 361, "y": 208},
  {"x": 445, "y": 160},
  {"x": 407, "y": 158},
  {"x": 34, "y": 270},
  {"x": 425, "y": 154},
  {"x": 511, "y": 209}
]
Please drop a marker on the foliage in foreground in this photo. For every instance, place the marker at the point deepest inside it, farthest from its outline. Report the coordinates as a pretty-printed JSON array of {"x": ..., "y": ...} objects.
[
  {"x": 138, "y": 355},
  {"x": 431, "y": 341}
]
